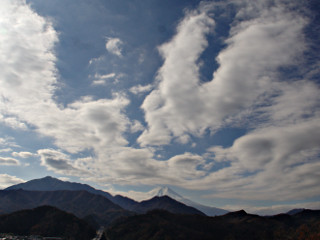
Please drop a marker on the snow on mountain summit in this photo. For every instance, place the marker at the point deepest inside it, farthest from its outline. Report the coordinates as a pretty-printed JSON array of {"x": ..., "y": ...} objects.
[{"x": 164, "y": 191}]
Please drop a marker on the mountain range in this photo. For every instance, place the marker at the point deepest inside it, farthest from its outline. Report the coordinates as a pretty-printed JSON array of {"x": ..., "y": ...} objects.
[
  {"x": 52, "y": 184},
  {"x": 158, "y": 225},
  {"x": 80, "y": 203},
  {"x": 98, "y": 207},
  {"x": 49, "y": 206}
]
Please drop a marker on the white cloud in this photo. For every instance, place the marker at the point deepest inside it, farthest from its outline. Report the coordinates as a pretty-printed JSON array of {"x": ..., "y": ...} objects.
[
  {"x": 7, "y": 161},
  {"x": 99, "y": 82},
  {"x": 8, "y": 180},
  {"x": 28, "y": 73},
  {"x": 275, "y": 163},
  {"x": 285, "y": 145},
  {"x": 174, "y": 97},
  {"x": 66, "y": 179},
  {"x": 128, "y": 166},
  {"x": 13, "y": 122},
  {"x": 114, "y": 46},
  {"x": 29, "y": 79},
  {"x": 255, "y": 49},
  {"x": 5, "y": 150},
  {"x": 106, "y": 76},
  {"x": 296, "y": 102},
  {"x": 59, "y": 162},
  {"x": 101, "y": 79},
  {"x": 138, "y": 89},
  {"x": 187, "y": 166},
  {"x": 136, "y": 126},
  {"x": 7, "y": 142},
  {"x": 23, "y": 154}
]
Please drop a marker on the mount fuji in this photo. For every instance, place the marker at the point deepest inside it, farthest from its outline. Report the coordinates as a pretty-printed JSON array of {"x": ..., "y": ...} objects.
[{"x": 166, "y": 191}]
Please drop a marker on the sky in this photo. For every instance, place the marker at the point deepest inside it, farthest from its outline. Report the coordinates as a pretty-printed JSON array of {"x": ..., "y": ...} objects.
[{"x": 218, "y": 100}]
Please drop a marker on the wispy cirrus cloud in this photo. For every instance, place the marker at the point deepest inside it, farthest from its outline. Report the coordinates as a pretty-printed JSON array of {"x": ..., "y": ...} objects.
[{"x": 101, "y": 79}]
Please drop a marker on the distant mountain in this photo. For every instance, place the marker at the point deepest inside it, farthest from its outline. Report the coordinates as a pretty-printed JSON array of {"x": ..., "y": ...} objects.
[
  {"x": 81, "y": 203},
  {"x": 165, "y": 203},
  {"x": 158, "y": 202},
  {"x": 295, "y": 211},
  {"x": 165, "y": 191},
  {"x": 125, "y": 202},
  {"x": 46, "y": 221},
  {"x": 238, "y": 214},
  {"x": 52, "y": 184},
  {"x": 159, "y": 225}
]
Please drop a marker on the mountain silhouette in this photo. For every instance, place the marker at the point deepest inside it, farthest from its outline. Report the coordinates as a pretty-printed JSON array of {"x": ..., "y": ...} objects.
[
  {"x": 165, "y": 203},
  {"x": 159, "y": 224},
  {"x": 49, "y": 188},
  {"x": 46, "y": 221},
  {"x": 52, "y": 184},
  {"x": 80, "y": 203}
]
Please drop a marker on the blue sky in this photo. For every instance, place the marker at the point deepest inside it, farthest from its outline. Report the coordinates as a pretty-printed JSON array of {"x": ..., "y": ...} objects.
[{"x": 217, "y": 99}]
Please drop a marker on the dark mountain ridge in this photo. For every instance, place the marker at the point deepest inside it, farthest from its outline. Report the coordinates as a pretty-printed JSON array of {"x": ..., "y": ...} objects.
[
  {"x": 159, "y": 225},
  {"x": 165, "y": 203},
  {"x": 80, "y": 203},
  {"x": 46, "y": 221},
  {"x": 296, "y": 210}
]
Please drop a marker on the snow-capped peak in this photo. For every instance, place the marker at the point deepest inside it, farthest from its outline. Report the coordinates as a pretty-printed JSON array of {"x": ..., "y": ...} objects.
[{"x": 164, "y": 191}]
